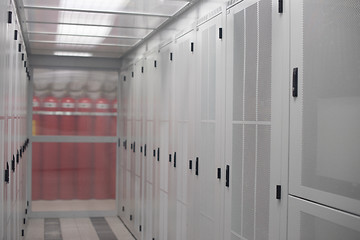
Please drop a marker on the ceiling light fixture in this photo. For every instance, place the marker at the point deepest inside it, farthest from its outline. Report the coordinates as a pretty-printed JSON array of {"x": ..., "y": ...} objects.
[{"x": 73, "y": 54}]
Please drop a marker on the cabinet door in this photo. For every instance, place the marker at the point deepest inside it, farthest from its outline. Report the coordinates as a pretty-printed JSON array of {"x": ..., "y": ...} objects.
[
  {"x": 210, "y": 71},
  {"x": 248, "y": 120},
  {"x": 325, "y": 103},
  {"x": 184, "y": 74},
  {"x": 310, "y": 221}
]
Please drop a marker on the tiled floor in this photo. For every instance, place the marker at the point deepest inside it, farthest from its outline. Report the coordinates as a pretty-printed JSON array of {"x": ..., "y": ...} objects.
[
  {"x": 108, "y": 228},
  {"x": 73, "y": 205}
]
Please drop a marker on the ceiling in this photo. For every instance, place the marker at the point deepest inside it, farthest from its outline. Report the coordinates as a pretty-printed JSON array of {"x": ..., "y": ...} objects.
[{"x": 92, "y": 28}]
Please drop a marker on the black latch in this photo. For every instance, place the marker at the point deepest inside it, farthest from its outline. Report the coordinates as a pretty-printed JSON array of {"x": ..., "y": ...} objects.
[
  {"x": 155, "y": 63},
  {"x": 119, "y": 142},
  {"x": 192, "y": 47},
  {"x": 278, "y": 192},
  {"x": 219, "y": 173},
  {"x": 158, "y": 154},
  {"x": 174, "y": 159},
  {"x": 132, "y": 74},
  {"x": 7, "y": 173},
  {"x": 190, "y": 164},
  {"x": 140, "y": 228},
  {"x": 220, "y": 33},
  {"x": 124, "y": 78},
  {"x": 9, "y": 17},
  {"x": 22, "y": 232},
  {"x": 145, "y": 150},
  {"x": 123, "y": 209},
  {"x": 134, "y": 147},
  {"x": 13, "y": 164},
  {"x": 281, "y": 6},
  {"x": 24, "y": 220},
  {"x": 197, "y": 167},
  {"x": 17, "y": 157},
  {"x": 16, "y": 35},
  {"x": 25, "y": 66},
  {"x": 141, "y": 149},
  {"x": 142, "y": 69},
  {"x": 227, "y": 183},
  {"x": 154, "y": 153},
  {"x": 169, "y": 157},
  {"x": 171, "y": 56},
  {"x": 131, "y": 217},
  {"x": 19, "y": 49},
  {"x": 295, "y": 83}
]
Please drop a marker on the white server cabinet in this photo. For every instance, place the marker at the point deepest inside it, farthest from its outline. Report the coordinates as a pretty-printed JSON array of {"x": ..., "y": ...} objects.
[
  {"x": 308, "y": 220},
  {"x": 325, "y": 103},
  {"x": 156, "y": 80},
  {"x": 165, "y": 139},
  {"x": 209, "y": 119},
  {"x": 149, "y": 163},
  {"x": 183, "y": 94},
  {"x": 248, "y": 120}
]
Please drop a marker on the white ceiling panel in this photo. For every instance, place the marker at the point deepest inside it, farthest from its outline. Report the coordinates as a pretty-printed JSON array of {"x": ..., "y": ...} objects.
[{"x": 93, "y": 27}]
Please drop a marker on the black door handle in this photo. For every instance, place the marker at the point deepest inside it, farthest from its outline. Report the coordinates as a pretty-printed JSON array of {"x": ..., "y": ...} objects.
[{"x": 227, "y": 183}]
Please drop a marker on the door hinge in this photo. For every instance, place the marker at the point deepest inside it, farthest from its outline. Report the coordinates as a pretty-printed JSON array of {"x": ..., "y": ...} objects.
[
  {"x": 219, "y": 173},
  {"x": 220, "y": 33},
  {"x": 192, "y": 47}
]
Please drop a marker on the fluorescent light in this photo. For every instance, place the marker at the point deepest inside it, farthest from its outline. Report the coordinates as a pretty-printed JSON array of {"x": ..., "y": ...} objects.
[{"x": 73, "y": 54}]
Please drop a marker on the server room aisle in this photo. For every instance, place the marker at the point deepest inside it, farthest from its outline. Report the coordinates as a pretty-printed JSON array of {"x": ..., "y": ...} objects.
[{"x": 98, "y": 228}]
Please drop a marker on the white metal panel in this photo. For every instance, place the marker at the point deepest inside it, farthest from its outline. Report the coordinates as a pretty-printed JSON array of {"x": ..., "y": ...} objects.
[
  {"x": 324, "y": 133},
  {"x": 248, "y": 120},
  {"x": 309, "y": 220}
]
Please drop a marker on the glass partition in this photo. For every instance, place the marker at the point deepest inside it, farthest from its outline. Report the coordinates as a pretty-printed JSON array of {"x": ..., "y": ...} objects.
[{"x": 74, "y": 128}]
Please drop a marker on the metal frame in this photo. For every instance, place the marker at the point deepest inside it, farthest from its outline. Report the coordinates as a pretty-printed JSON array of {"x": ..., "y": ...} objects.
[
  {"x": 91, "y": 25},
  {"x": 83, "y": 44},
  {"x": 97, "y": 11},
  {"x": 79, "y": 35}
]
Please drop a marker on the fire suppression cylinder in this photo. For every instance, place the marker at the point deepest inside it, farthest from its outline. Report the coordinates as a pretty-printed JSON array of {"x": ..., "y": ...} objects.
[
  {"x": 50, "y": 151},
  {"x": 101, "y": 151},
  {"x": 114, "y": 107},
  {"x": 36, "y": 152},
  {"x": 85, "y": 150},
  {"x": 67, "y": 160}
]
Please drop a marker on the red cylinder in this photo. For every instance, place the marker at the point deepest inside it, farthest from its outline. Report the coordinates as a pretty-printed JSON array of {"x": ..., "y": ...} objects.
[
  {"x": 113, "y": 129},
  {"x": 101, "y": 151},
  {"x": 50, "y": 151},
  {"x": 85, "y": 150},
  {"x": 67, "y": 179},
  {"x": 36, "y": 152}
]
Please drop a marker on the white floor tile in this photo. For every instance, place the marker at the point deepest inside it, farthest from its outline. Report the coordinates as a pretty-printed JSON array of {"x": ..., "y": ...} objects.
[
  {"x": 86, "y": 229},
  {"x": 35, "y": 229},
  {"x": 118, "y": 228}
]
